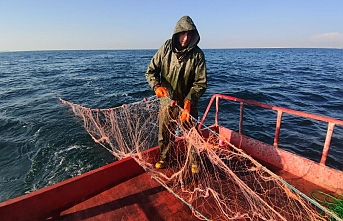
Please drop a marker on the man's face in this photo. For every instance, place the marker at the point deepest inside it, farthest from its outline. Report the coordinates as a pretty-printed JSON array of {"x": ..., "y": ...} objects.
[{"x": 184, "y": 38}]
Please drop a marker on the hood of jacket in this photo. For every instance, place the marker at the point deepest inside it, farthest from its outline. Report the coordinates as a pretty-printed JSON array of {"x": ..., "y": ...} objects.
[{"x": 185, "y": 24}]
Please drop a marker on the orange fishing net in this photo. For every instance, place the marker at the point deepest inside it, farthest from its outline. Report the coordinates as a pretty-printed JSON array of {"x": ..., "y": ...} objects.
[{"x": 229, "y": 186}]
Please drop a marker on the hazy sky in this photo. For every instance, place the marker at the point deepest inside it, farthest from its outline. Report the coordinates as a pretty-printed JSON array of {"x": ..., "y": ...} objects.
[{"x": 143, "y": 24}]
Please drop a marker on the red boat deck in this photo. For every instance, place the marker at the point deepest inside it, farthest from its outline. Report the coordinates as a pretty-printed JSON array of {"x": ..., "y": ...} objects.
[
  {"x": 140, "y": 198},
  {"x": 123, "y": 191},
  {"x": 145, "y": 199},
  {"x": 137, "y": 198}
]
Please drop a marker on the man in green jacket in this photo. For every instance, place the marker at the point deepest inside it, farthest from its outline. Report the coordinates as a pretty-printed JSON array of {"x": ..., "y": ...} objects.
[{"x": 177, "y": 72}]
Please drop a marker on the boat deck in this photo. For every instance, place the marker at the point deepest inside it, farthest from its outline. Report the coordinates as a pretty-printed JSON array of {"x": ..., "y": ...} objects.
[
  {"x": 144, "y": 198},
  {"x": 123, "y": 191},
  {"x": 140, "y": 198}
]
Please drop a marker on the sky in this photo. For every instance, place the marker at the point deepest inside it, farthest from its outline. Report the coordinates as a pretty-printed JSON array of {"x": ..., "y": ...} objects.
[{"x": 31, "y": 25}]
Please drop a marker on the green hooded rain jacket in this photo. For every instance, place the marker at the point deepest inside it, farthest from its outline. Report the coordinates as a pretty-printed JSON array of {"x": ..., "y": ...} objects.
[{"x": 181, "y": 71}]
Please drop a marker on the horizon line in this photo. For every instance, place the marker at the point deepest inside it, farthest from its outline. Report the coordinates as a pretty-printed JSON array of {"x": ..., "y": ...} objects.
[{"x": 142, "y": 49}]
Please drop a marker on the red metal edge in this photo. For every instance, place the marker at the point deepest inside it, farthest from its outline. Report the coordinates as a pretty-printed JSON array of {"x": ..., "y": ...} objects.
[
  {"x": 316, "y": 173},
  {"x": 280, "y": 110},
  {"x": 51, "y": 200}
]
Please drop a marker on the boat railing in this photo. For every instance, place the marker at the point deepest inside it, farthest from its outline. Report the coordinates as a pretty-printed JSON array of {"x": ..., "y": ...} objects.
[{"x": 280, "y": 110}]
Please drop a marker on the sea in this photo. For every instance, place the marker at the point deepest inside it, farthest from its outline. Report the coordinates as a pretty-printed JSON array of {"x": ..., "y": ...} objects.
[{"x": 42, "y": 142}]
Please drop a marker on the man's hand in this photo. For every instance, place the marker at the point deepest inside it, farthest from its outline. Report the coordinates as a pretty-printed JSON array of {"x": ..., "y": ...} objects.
[
  {"x": 186, "y": 111},
  {"x": 161, "y": 92}
]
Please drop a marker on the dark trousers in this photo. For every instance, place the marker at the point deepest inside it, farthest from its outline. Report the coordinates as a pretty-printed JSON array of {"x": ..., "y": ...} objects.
[{"x": 167, "y": 123}]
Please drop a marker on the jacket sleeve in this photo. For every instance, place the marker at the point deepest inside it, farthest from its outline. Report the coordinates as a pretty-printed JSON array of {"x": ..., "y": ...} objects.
[
  {"x": 200, "y": 81},
  {"x": 153, "y": 73}
]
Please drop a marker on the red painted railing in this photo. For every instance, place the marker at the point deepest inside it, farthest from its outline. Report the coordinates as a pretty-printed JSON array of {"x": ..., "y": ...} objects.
[{"x": 331, "y": 121}]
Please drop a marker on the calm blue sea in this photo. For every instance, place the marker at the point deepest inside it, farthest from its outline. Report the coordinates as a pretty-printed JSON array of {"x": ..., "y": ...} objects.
[{"x": 42, "y": 142}]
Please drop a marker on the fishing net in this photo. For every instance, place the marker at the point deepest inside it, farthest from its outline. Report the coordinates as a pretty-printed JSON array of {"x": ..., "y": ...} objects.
[
  {"x": 229, "y": 186},
  {"x": 332, "y": 202}
]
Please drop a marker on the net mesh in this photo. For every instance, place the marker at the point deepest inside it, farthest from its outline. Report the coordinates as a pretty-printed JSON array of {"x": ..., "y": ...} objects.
[{"x": 230, "y": 185}]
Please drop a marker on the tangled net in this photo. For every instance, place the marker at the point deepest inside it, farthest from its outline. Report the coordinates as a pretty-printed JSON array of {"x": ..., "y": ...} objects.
[
  {"x": 333, "y": 203},
  {"x": 230, "y": 186}
]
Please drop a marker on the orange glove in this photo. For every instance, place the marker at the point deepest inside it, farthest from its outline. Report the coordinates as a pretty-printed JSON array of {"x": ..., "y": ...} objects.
[
  {"x": 161, "y": 92},
  {"x": 186, "y": 110}
]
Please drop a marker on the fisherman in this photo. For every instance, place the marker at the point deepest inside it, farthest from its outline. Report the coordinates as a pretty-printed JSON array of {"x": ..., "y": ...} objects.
[{"x": 177, "y": 72}]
